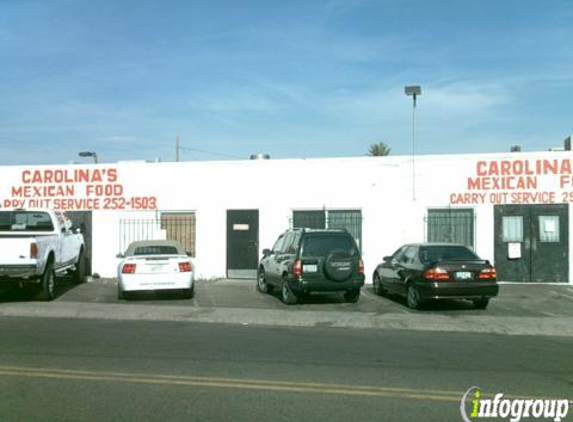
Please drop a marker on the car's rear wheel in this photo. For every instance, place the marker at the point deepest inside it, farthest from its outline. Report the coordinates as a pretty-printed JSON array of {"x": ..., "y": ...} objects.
[
  {"x": 190, "y": 292},
  {"x": 123, "y": 295},
  {"x": 262, "y": 285},
  {"x": 377, "y": 285},
  {"x": 352, "y": 296},
  {"x": 413, "y": 297},
  {"x": 48, "y": 283},
  {"x": 287, "y": 295},
  {"x": 481, "y": 303}
]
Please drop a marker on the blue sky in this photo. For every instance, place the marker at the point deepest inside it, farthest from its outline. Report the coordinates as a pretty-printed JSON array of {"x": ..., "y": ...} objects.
[{"x": 297, "y": 78}]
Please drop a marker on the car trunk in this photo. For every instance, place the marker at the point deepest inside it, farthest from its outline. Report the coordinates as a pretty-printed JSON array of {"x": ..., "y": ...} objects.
[
  {"x": 156, "y": 264},
  {"x": 461, "y": 271}
]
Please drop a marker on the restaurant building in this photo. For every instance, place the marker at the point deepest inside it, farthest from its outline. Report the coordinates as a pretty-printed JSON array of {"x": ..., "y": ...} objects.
[{"x": 512, "y": 208}]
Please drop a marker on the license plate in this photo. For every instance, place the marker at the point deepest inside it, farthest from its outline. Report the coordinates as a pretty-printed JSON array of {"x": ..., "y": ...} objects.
[
  {"x": 156, "y": 268},
  {"x": 309, "y": 268},
  {"x": 463, "y": 275}
]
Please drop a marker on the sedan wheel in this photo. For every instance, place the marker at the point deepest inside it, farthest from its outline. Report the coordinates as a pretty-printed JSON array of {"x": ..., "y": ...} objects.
[
  {"x": 481, "y": 303},
  {"x": 412, "y": 297},
  {"x": 376, "y": 285}
]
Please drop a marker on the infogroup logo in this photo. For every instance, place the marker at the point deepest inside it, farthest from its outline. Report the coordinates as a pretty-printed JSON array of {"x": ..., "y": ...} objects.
[{"x": 474, "y": 407}]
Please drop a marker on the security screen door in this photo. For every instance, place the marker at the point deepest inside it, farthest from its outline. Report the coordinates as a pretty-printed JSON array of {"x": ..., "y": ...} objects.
[{"x": 532, "y": 243}]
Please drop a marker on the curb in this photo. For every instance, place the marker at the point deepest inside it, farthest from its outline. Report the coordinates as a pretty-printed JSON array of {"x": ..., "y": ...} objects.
[{"x": 530, "y": 326}]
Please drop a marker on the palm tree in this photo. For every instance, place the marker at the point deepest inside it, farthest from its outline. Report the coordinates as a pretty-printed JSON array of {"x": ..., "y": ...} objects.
[{"x": 379, "y": 149}]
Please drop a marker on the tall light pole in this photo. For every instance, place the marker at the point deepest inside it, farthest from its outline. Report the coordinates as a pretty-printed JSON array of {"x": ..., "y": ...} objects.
[
  {"x": 414, "y": 91},
  {"x": 88, "y": 154}
]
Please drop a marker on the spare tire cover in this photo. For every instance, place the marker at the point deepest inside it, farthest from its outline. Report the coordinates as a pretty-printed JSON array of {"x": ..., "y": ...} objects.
[{"x": 338, "y": 266}]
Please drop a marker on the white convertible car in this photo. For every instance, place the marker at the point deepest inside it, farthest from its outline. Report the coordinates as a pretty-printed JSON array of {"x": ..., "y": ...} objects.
[{"x": 152, "y": 265}]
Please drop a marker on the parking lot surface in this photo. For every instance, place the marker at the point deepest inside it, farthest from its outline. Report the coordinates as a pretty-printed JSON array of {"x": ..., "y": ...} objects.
[{"x": 521, "y": 309}]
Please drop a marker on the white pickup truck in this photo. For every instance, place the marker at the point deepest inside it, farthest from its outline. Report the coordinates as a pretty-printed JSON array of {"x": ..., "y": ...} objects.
[{"x": 35, "y": 246}]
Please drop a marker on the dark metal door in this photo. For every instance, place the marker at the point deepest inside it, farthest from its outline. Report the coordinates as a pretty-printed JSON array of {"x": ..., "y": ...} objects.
[
  {"x": 242, "y": 243},
  {"x": 532, "y": 242},
  {"x": 550, "y": 244}
]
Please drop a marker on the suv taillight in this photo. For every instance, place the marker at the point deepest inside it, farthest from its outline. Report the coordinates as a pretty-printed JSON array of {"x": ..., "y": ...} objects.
[
  {"x": 185, "y": 267},
  {"x": 297, "y": 268},
  {"x": 436, "y": 274},
  {"x": 33, "y": 250},
  {"x": 128, "y": 269},
  {"x": 360, "y": 267},
  {"x": 488, "y": 274}
]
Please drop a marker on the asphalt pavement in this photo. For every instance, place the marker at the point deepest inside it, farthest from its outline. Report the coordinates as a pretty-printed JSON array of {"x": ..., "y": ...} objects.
[
  {"x": 86, "y": 370},
  {"x": 520, "y": 309}
]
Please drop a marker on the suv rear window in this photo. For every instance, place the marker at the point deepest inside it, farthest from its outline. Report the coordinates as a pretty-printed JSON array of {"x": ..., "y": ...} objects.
[
  {"x": 25, "y": 221},
  {"x": 325, "y": 243}
]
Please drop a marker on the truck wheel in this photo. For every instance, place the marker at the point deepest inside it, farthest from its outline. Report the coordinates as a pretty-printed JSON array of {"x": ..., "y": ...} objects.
[
  {"x": 262, "y": 285},
  {"x": 287, "y": 295},
  {"x": 352, "y": 296},
  {"x": 48, "y": 283},
  {"x": 79, "y": 275}
]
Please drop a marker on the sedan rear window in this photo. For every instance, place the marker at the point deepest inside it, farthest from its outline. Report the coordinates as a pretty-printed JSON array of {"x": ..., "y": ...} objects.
[
  {"x": 25, "y": 221},
  {"x": 439, "y": 253},
  {"x": 323, "y": 244},
  {"x": 156, "y": 250}
]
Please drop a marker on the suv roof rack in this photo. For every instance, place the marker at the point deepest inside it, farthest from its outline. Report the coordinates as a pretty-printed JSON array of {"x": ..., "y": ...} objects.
[{"x": 309, "y": 230}]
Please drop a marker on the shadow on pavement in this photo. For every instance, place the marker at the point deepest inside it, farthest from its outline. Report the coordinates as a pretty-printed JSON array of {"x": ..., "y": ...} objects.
[
  {"x": 13, "y": 293},
  {"x": 144, "y": 296},
  {"x": 445, "y": 305}
]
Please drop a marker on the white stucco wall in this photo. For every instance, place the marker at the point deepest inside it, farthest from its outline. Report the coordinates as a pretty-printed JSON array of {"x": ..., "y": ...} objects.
[{"x": 381, "y": 187}]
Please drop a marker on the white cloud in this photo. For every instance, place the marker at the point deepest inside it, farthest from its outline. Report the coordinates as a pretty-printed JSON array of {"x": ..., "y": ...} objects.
[{"x": 465, "y": 98}]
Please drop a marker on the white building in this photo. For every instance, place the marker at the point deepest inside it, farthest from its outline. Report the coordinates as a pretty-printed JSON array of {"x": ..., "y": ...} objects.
[{"x": 513, "y": 208}]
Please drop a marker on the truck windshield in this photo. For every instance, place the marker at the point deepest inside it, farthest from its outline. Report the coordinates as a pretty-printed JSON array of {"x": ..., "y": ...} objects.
[{"x": 25, "y": 221}]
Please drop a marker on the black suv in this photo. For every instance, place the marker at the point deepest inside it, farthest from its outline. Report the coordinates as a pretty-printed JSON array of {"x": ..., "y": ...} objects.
[{"x": 305, "y": 260}]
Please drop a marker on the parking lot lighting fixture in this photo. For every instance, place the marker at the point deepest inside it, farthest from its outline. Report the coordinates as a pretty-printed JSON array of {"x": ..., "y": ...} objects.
[
  {"x": 413, "y": 91},
  {"x": 89, "y": 154}
]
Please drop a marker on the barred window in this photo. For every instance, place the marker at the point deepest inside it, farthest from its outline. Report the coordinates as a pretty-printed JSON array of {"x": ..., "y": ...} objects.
[
  {"x": 451, "y": 226},
  {"x": 351, "y": 220},
  {"x": 178, "y": 226}
]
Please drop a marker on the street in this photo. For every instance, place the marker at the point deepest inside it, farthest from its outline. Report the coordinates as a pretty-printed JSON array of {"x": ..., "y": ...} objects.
[
  {"x": 233, "y": 354},
  {"x": 94, "y": 370}
]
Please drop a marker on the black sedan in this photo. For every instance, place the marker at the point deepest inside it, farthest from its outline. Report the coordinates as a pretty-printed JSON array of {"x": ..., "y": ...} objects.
[{"x": 428, "y": 271}]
